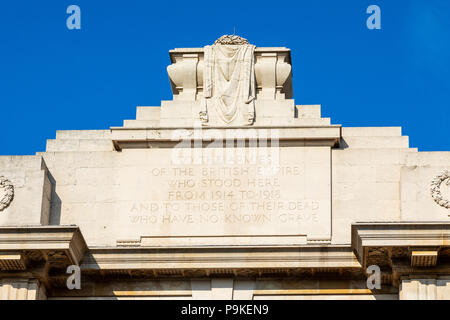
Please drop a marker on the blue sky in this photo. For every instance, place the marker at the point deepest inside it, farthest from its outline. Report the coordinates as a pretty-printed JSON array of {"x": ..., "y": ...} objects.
[{"x": 52, "y": 78}]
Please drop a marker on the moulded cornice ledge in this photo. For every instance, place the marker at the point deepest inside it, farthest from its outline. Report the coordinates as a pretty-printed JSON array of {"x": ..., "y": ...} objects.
[
  {"x": 124, "y": 138},
  {"x": 50, "y": 241},
  {"x": 399, "y": 234},
  {"x": 219, "y": 258}
]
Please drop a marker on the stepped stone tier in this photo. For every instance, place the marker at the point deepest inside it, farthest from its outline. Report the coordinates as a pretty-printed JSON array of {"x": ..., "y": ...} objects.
[{"x": 228, "y": 191}]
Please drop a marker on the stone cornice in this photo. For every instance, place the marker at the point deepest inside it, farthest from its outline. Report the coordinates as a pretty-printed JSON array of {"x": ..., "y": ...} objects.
[
  {"x": 50, "y": 242},
  {"x": 231, "y": 258},
  {"x": 174, "y": 53},
  {"x": 406, "y": 236},
  {"x": 124, "y": 137},
  {"x": 399, "y": 248}
]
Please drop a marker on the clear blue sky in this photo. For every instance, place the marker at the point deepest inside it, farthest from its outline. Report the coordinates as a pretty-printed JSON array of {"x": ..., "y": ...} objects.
[{"x": 52, "y": 78}]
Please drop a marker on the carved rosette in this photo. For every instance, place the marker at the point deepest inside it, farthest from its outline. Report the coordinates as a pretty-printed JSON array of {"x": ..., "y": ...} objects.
[
  {"x": 6, "y": 193},
  {"x": 435, "y": 189}
]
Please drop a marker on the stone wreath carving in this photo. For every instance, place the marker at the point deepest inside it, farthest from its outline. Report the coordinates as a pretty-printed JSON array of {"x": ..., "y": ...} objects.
[
  {"x": 231, "y": 40},
  {"x": 6, "y": 193},
  {"x": 436, "y": 189}
]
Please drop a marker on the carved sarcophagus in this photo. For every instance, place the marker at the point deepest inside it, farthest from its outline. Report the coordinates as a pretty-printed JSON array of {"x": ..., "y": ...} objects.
[{"x": 273, "y": 73}]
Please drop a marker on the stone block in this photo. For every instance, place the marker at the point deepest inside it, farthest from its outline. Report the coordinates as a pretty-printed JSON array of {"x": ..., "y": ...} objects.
[
  {"x": 148, "y": 113},
  {"x": 30, "y": 202},
  {"x": 308, "y": 111},
  {"x": 377, "y": 142},
  {"x": 371, "y": 132},
  {"x": 83, "y": 134}
]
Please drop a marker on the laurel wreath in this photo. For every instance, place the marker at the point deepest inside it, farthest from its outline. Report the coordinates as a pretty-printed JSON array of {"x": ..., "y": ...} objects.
[
  {"x": 8, "y": 190},
  {"x": 231, "y": 40},
  {"x": 436, "y": 189}
]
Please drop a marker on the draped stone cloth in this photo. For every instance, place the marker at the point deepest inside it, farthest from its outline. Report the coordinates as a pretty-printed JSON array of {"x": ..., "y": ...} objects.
[{"x": 229, "y": 82}]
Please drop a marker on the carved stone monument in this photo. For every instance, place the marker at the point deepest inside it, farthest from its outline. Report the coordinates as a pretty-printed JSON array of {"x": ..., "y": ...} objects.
[
  {"x": 231, "y": 191},
  {"x": 229, "y": 81},
  {"x": 222, "y": 81}
]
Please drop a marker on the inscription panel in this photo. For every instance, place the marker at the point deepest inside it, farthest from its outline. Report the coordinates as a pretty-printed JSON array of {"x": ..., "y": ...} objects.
[{"x": 289, "y": 196}]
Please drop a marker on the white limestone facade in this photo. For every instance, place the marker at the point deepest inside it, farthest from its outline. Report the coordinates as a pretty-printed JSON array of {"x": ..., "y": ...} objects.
[{"x": 229, "y": 191}]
